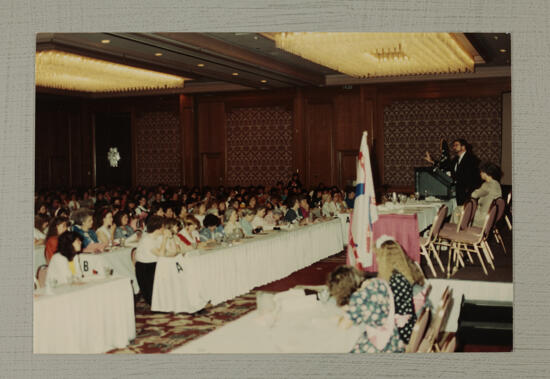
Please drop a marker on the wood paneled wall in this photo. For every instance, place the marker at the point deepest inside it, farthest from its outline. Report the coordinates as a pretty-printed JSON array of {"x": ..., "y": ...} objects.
[
  {"x": 327, "y": 127},
  {"x": 63, "y": 143}
]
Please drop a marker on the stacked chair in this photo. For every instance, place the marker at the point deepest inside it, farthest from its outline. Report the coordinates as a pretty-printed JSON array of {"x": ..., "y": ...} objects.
[{"x": 425, "y": 337}]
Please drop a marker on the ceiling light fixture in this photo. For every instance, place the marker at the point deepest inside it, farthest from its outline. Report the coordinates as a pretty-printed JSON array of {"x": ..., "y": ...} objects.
[
  {"x": 364, "y": 55},
  {"x": 235, "y": 74},
  {"x": 105, "y": 41},
  {"x": 502, "y": 50},
  {"x": 263, "y": 81},
  {"x": 66, "y": 71},
  {"x": 158, "y": 54},
  {"x": 200, "y": 65}
]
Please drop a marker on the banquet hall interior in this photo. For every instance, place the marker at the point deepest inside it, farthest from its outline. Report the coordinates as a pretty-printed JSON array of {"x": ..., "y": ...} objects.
[{"x": 267, "y": 128}]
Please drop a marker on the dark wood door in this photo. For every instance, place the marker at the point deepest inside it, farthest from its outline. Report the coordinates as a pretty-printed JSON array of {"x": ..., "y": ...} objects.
[
  {"x": 113, "y": 131},
  {"x": 212, "y": 173}
]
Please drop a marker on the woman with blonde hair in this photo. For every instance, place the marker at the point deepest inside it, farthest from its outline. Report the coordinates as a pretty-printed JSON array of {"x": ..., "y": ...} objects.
[
  {"x": 405, "y": 277},
  {"x": 368, "y": 303}
]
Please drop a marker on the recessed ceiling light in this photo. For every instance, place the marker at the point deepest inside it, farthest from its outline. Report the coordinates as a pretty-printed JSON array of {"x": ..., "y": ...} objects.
[
  {"x": 200, "y": 64},
  {"x": 502, "y": 50},
  {"x": 263, "y": 81},
  {"x": 255, "y": 37},
  {"x": 105, "y": 41},
  {"x": 158, "y": 54},
  {"x": 495, "y": 37},
  {"x": 235, "y": 74}
]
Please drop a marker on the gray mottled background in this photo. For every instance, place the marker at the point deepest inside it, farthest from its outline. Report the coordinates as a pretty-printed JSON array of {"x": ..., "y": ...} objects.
[{"x": 528, "y": 21}]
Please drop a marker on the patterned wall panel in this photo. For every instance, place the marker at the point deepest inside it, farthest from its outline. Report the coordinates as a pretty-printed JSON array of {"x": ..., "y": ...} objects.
[
  {"x": 413, "y": 127},
  {"x": 158, "y": 148},
  {"x": 259, "y": 145}
]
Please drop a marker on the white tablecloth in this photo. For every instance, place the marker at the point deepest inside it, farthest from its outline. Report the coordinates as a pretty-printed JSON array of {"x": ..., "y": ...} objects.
[
  {"x": 221, "y": 274},
  {"x": 93, "y": 317},
  {"x": 119, "y": 259},
  {"x": 425, "y": 212},
  {"x": 312, "y": 327}
]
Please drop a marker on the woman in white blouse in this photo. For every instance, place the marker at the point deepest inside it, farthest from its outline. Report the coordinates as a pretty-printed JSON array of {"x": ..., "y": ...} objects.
[
  {"x": 489, "y": 191},
  {"x": 151, "y": 246},
  {"x": 328, "y": 208},
  {"x": 65, "y": 263}
]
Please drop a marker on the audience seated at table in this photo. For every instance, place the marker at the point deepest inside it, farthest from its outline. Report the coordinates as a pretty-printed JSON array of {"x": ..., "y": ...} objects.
[
  {"x": 174, "y": 244},
  {"x": 142, "y": 205},
  {"x": 292, "y": 214},
  {"x": 273, "y": 218},
  {"x": 83, "y": 222},
  {"x": 189, "y": 235},
  {"x": 258, "y": 221},
  {"x": 41, "y": 223},
  {"x": 339, "y": 203},
  {"x": 246, "y": 221},
  {"x": 212, "y": 228},
  {"x": 123, "y": 229},
  {"x": 328, "y": 208},
  {"x": 65, "y": 265},
  {"x": 232, "y": 228},
  {"x": 58, "y": 225},
  {"x": 200, "y": 212},
  {"x": 105, "y": 228},
  {"x": 489, "y": 191}
]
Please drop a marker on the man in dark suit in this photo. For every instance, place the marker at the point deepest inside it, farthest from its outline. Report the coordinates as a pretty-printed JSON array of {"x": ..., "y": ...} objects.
[{"x": 464, "y": 169}]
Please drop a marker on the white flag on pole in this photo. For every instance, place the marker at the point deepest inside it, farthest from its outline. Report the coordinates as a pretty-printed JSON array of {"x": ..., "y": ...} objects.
[{"x": 360, "y": 236}]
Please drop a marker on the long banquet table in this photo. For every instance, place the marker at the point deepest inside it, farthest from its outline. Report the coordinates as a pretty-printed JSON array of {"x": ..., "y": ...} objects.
[
  {"x": 119, "y": 259},
  {"x": 186, "y": 284},
  {"x": 305, "y": 325},
  {"x": 91, "y": 317}
]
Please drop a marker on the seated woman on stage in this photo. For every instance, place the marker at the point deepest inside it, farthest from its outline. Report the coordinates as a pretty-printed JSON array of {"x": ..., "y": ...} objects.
[
  {"x": 212, "y": 228},
  {"x": 189, "y": 235},
  {"x": 151, "y": 246},
  {"x": 83, "y": 221},
  {"x": 65, "y": 264},
  {"x": 58, "y": 225},
  {"x": 105, "y": 228},
  {"x": 489, "y": 191},
  {"x": 369, "y": 303},
  {"x": 232, "y": 228},
  {"x": 246, "y": 220},
  {"x": 40, "y": 229},
  {"x": 123, "y": 229}
]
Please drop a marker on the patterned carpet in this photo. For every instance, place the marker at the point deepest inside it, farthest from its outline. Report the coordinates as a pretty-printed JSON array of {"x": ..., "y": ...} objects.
[{"x": 162, "y": 332}]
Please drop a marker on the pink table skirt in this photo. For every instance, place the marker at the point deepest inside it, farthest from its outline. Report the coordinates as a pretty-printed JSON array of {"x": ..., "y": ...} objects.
[{"x": 404, "y": 228}]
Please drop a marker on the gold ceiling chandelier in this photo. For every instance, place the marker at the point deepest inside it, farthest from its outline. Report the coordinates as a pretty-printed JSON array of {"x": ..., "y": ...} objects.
[
  {"x": 365, "y": 55},
  {"x": 66, "y": 71}
]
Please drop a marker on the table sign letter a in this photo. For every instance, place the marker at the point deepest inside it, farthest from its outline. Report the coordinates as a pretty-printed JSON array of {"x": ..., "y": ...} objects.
[{"x": 178, "y": 267}]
